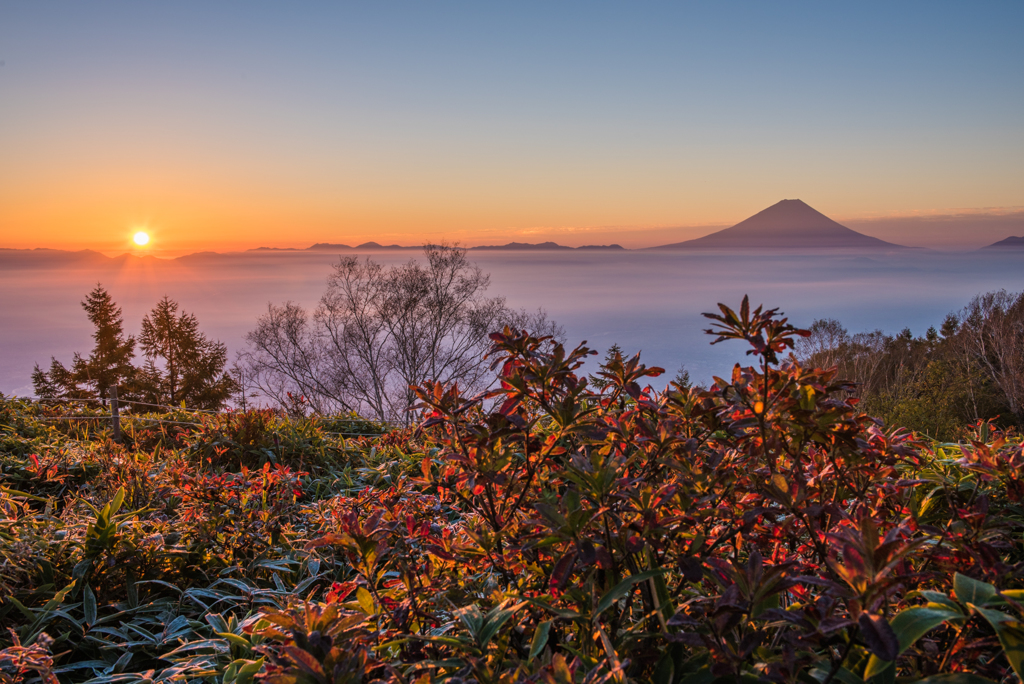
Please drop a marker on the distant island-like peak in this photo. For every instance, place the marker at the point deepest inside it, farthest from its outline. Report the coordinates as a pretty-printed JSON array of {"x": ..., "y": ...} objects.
[
  {"x": 789, "y": 224},
  {"x": 531, "y": 246},
  {"x": 1009, "y": 243}
]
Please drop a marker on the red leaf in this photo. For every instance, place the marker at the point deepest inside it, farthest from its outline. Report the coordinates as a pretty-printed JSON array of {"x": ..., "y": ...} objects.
[{"x": 562, "y": 571}]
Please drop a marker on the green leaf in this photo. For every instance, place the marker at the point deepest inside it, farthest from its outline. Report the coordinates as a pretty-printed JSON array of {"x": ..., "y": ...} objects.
[
  {"x": 623, "y": 588},
  {"x": 115, "y": 505},
  {"x": 540, "y": 639},
  {"x": 492, "y": 623},
  {"x": 89, "y": 605},
  {"x": 937, "y": 599},
  {"x": 82, "y": 665},
  {"x": 665, "y": 672},
  {"x": 886, "y": 676},
  {"x": 703, "y": 676},
  {"x": 122, "y": 662},
  {"x": 661, "y": 592},
  {"x": 235, "y": 640},
  {"x": 844, "y": 676},
  {"x": 27, "y": 612},
  {"x": 1011, "y": 636},
  {"x": 447, "y": 641},
  {"x": 217, "y": 645},
  {"x": 911, "y": 625},
  {"x": 971, "y": 590},
  {"x": 217, "y": 621},
  {"x": 58, "y": 598},
  {"x": 133, "y": 591},
  {"x": 247, "y": 671},
  {"x": 560, "y": 612},
  {"x": 15, "y": 492}
]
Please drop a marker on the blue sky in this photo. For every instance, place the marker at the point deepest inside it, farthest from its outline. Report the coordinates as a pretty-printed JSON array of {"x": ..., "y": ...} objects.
[{"x": 218, "y": 123}]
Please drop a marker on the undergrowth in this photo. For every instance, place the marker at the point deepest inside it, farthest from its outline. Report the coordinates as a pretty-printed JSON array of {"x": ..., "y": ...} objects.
[{"x": 760, "y": 530}]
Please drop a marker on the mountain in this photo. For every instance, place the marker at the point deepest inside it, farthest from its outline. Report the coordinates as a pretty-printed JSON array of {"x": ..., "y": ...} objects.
[
  {"x": 43, "y": 257},
  {"x": 375, "y": 246},
  {"x": 529, "y": 246},
  {"x": 330, "y": 247},
  {"x": 789, "y": 224},
  {"x": 327, "y": 247},
  {"x": 1009, "y": 243},
  {"x": 523, "y": 246}
]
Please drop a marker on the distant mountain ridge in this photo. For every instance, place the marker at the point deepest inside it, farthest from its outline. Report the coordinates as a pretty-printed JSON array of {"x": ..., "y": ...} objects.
[
  {"x": 1009, "y": 243},
  {"x": 329, "y": 247},
  {"x": 789, "y": 224},
  {"x": 511, "y": 246},
  {"x": 527, "y": 246}
]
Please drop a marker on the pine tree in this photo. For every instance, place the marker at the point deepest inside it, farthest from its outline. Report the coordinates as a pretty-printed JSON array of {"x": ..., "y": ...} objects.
[
  {"x": 682, "y": 379},
  {"x": 614, "y": 353},
  {"x": 108, "y": 365},
  {"x": 191, "y": 368},
  {"x": 60, "y": 382}
]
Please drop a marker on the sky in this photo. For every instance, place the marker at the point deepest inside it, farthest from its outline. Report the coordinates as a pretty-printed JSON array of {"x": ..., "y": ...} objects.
[{"x": 231, "y": 125}]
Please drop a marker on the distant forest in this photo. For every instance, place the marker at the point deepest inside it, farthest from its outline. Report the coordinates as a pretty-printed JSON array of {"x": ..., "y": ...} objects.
[{"x": 968, "y": 369}]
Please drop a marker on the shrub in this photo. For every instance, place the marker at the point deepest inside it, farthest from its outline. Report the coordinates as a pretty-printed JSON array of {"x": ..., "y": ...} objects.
[{"x": 763, "y": 529}]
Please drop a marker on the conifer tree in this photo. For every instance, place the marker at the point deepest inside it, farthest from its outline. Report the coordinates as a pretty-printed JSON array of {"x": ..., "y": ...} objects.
[
  {"x": 682, "y": 378},
  {"x": 596, "y": 381},
  {"x": 191, "y": 368},
  {"x": 108, "y": 365}
]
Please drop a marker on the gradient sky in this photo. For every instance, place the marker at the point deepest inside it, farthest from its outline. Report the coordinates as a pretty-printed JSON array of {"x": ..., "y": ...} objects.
[{"x": 231, "y": 125}]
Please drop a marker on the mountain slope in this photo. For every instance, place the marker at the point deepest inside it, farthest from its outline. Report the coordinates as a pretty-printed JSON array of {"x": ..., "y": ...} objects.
[
  {"x": 1009, "y": 243},
  {"x": 788, "y": 224}
]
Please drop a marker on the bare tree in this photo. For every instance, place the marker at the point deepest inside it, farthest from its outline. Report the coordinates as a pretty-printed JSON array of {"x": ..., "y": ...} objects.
[
  {"x": 378, "y": 330},
  {"x": 825, "y": 345},
  {"x": 861, "y": 358},
  {"x": 992, "y": 327}
]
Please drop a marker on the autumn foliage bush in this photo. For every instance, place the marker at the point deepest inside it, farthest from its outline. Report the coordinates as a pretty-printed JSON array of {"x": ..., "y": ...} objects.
[{"x": 764, "y": 529}]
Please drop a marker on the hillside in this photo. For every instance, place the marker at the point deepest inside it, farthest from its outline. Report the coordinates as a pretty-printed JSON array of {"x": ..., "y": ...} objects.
[
  {"x": 1009, "y": 243},
  {"x": 787, "y": 225}
]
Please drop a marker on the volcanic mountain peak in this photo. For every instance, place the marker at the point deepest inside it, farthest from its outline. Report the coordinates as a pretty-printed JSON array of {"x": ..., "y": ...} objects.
[{"x": 787, "y": 224}]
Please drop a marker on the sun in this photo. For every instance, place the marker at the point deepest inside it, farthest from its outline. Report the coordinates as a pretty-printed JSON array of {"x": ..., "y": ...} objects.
[{"x": 141, "y": 238}]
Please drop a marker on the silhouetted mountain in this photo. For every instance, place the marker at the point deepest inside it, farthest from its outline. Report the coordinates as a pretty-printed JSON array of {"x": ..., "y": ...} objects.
[
  {"x": 43, "y": 257},
  {"x": 530, "y": 246},
  {"x": 377, "y": 245},
  {"x": 1009, "y": 243},
  {"x": 331, "y": 247},
  {"x": 326, "y": 247},
  {"x": 524, "y": 246},
  {"x": 789, "y": 224}
]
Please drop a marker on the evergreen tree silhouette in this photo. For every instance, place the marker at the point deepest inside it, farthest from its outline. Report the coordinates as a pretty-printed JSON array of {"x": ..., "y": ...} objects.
[
  {"x": 191, "y": 368},
  {"x": 108, "y": 365}
]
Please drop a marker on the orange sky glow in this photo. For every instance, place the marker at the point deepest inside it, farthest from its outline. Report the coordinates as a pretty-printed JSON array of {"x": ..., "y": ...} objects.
[{"x": 234, "y": 127}]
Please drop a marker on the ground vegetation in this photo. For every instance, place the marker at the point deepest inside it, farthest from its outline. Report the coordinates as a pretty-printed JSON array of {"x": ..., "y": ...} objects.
[{"x": 762, "y": 529}]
